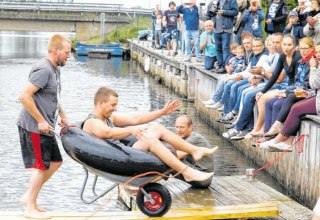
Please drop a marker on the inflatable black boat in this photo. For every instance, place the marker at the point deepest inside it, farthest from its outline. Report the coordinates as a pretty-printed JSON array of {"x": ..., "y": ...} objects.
[{"x": 106, "y": 156}]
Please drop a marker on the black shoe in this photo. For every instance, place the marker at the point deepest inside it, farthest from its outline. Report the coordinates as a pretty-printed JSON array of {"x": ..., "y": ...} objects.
[{"x": 220, "y": 70}]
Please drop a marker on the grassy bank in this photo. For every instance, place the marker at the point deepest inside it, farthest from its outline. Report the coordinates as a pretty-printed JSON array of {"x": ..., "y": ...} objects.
[{"x": 125, "y": 32}]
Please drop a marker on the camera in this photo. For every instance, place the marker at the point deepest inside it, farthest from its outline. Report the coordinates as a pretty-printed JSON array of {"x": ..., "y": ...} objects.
[{"x": 214, "y": 6}]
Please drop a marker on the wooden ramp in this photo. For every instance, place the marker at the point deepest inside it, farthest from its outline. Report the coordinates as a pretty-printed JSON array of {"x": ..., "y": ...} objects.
[
  {"x": 221, "y": 212},
  {"x": 229, "y": 191}
]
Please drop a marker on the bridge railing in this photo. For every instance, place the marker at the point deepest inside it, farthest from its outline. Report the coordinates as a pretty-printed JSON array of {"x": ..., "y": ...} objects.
[{"x": 72, "y": 7}]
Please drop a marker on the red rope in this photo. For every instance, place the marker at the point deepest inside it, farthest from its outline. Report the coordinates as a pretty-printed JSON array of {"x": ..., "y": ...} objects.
[{"x": 296, "y": 145}]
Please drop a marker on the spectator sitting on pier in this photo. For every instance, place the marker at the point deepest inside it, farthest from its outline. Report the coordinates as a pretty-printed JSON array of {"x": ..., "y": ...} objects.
[
  {"x": 246, "y": 96},
  {"x": 170, "y": 20},
  {"x": 185, "y": 130},
  {"x": 104, "y": 123},
  {"x": 207, "y": 44},
  {"x": 235, "y": 66},
  {"x": 247, "y": 39},
  {"x": 316, "y": 211},
  {"x": 308, "y": 106}
]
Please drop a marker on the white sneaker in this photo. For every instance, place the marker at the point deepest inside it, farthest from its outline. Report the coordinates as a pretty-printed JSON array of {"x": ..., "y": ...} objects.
[
  {"x": 221, "y": 108},
  {"x": 266, "y": 145},
  {"x": 280, "y": 147},
  {"x": 209, "y": 102},
  {"x": 217, "y": 105}
]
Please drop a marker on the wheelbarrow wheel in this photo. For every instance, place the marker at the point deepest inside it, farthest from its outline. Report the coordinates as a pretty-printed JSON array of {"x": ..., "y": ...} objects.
[{"x": 161, "y": 200}]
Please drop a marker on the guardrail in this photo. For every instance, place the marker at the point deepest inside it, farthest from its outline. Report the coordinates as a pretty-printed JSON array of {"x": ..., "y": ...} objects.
[{"x": 72, "y": 7}]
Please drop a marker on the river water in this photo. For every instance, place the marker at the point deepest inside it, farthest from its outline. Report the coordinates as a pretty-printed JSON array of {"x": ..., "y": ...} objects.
[{"x": 81, "y": 77}]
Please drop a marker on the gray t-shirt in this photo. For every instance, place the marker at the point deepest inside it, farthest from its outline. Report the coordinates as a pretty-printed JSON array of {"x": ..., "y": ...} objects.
[
  {"x": 206, "y": 163},
  {"x": 47, "y": 78}
]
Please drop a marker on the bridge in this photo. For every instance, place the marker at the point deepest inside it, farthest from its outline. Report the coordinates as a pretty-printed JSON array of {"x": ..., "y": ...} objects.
[{"x": 82, "y": 18}]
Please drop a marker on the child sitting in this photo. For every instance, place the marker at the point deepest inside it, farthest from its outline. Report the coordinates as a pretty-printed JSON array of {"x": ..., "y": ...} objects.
[{"x": 235, "y": 66}]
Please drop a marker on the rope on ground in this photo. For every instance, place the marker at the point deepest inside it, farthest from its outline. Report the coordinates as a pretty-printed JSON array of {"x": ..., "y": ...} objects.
[{"x": 297, "y": 145}]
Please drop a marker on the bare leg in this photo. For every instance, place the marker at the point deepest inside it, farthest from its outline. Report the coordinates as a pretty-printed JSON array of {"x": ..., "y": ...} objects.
[
  {"x": 282, "y": 138},
  {"x": 38, "y": 178},
  {"x": 152, "y": 144},
  {"x": 261, "y": 109},
  {"x": 161, "y": 133}
]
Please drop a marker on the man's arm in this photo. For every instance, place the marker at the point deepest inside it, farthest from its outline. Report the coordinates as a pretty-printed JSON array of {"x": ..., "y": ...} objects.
[
  {"x": 26, "y": 98},
  {"x": 99, "y": 129},
  {"x": 121, "y": 120}
]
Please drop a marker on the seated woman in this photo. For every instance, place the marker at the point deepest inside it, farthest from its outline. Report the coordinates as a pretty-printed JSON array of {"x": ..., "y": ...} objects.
[
  {"x": 282, "y": 75},
  {"x": 309, "y": 106},
  {"x": 104, "y": 123},
  {"x": 278, "y": 108}
]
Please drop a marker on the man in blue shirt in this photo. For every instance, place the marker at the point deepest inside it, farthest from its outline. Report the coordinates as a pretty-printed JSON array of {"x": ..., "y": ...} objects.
[
  {"x": 207, "y": 43},
  {"x": 191, "y": 19}
]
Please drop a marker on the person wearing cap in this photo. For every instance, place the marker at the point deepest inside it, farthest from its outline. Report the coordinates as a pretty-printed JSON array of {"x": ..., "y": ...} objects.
[
  {"x": 294, "y": 27},
  {"x": 276, "y": 16}
]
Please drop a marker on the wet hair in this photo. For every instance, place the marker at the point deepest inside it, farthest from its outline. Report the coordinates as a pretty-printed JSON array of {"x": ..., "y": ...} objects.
[
  {"x": 56, "y": 42},
  {"x": 189, "y": 119},
  {"x": 103, "y": 94},
  {"x": 308, "y": 41},
  {"x": 172, "y": 3}
]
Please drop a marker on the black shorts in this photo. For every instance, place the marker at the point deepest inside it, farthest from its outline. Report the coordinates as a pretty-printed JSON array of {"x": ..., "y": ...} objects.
[{"x": 38, "y": 150}]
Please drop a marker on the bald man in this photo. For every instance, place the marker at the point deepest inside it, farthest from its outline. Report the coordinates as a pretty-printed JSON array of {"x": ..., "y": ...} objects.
[{"x": 184, "y": 130}]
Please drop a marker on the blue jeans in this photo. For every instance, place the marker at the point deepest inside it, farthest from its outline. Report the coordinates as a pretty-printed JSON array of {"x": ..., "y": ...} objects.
[
  {"x": 209, "y": 62},
  {"x": 246, "y": 117},
  {"x": 195, "y": 36},
  {"x": 273, "y": 108},
  {"x": 223, "y": 47},
  {"x": 226, "y": 91},
  {"x": 216, "y": 97},
  {"x": 233, "y": 94},
  {"x": 240, "y": 95}
]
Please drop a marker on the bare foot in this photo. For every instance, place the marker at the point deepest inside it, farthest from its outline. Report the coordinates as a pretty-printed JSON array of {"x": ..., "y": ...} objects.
[
  {"x": 23, "y": 201},
  {"x": 190, "y": 174},
  {"x": 202, "y": 151},
  {"x": 36, "y": 214}
]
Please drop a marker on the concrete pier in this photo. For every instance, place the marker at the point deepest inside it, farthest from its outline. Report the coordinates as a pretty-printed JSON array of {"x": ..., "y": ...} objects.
[{"x": 299, "y": 174}]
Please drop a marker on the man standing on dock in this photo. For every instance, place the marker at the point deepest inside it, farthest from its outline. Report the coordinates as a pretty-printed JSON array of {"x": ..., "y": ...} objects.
[{"x": 41, "y": 107}]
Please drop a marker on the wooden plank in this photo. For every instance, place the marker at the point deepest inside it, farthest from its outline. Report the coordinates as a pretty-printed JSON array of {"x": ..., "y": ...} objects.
[{"x": 220, "y": 212}]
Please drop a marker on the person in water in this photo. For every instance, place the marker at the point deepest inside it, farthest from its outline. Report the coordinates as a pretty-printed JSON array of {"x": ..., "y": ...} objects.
[{"x": 104, "y": 123}]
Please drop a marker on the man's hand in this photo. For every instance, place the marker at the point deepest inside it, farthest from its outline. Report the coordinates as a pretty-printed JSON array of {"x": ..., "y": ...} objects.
[
  {"x": 220, "y": 12},
  {"x": 311, "y": 21},
  {"x": 137, "y": 131},
  {"x": 229, "y": 69},
  {"x": 268, "y": 21},
  {"x": 256, "y": 70},
  {"x": 237, "y": 77},
  {"x": 171, "y": 107},
  {"x": 64, "y": 121},
  {"x": 44, "y": 127},
  {"x": 313, "y": 62}
]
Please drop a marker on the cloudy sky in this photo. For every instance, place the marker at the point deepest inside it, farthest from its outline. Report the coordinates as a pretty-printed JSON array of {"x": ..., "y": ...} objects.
[{"x": 141, "y": 3}]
